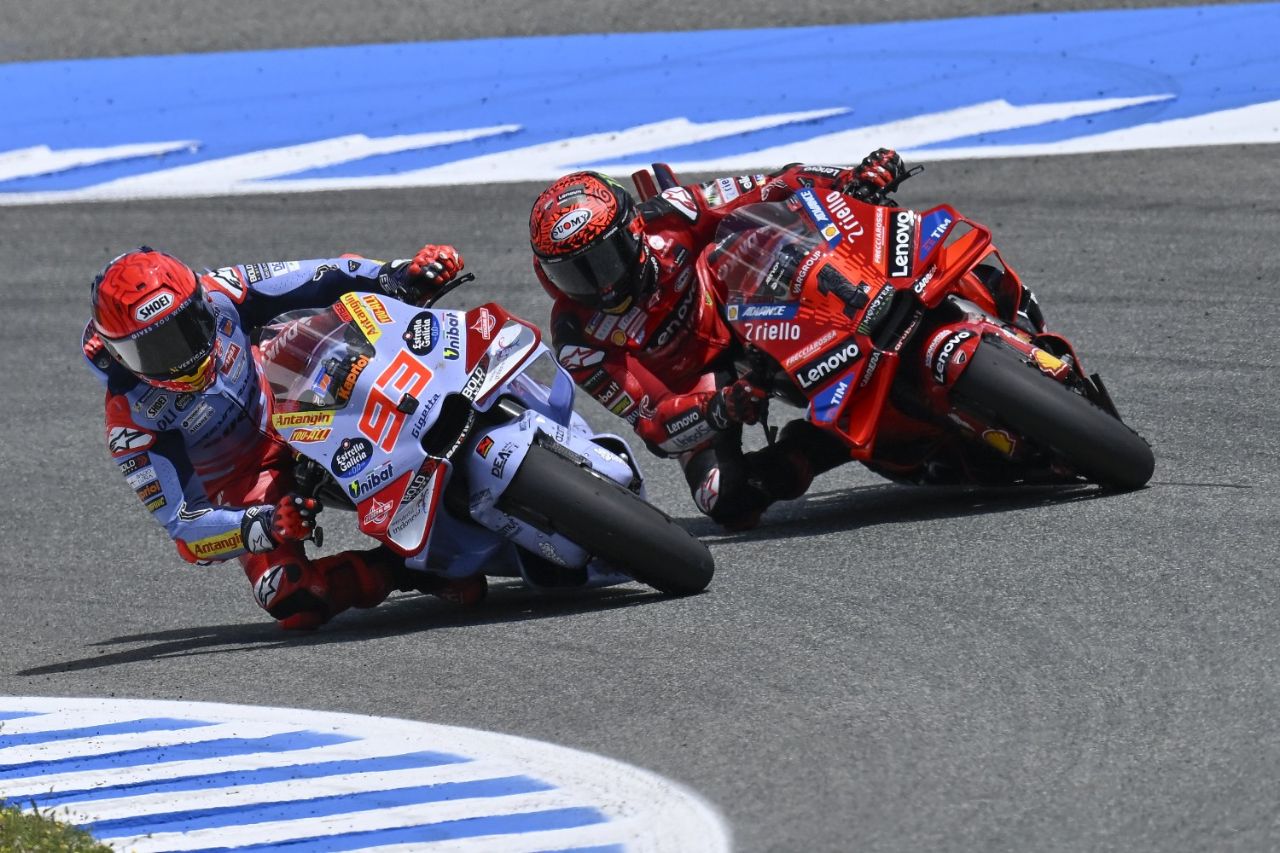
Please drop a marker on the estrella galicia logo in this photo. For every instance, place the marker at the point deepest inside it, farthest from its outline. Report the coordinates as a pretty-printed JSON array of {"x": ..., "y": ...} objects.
[
  {"x": 352, "y": 456},
  {"x": 422, "y": 334}
]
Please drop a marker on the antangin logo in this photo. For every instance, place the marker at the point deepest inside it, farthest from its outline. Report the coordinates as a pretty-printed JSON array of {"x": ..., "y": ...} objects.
[
  {"x": 362, "y": 317},
  {"x": 284, "y": 420}
]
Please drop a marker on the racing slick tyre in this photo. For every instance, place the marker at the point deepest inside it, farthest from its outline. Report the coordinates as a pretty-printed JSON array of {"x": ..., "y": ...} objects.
[
  {"x": 610, "y": 522},
  {"x": 1001, "y": 383}
]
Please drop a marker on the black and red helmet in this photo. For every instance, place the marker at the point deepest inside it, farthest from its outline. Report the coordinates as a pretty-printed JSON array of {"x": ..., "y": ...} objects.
[
  {"x": 149, "y": 310},
  {"x": 588, "y": 241}
]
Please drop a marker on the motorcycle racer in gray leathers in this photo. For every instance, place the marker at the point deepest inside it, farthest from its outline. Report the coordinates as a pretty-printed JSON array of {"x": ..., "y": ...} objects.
[{"x": 188, "y": 416}]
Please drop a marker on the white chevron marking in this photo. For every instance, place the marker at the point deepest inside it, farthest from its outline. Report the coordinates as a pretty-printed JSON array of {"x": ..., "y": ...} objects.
[
  {"x": 42, "y": 160},
  {"x": 847, "y": 146}
]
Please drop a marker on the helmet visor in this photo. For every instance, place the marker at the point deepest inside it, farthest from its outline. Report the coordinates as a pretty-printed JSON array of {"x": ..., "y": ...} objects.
[
  {"x": 598, "y": 275},
  {"x": 173, "y": 347}
]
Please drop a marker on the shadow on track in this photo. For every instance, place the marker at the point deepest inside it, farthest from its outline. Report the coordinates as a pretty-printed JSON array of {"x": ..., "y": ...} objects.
[
  {"x": 867, "y": 506},
  {"x": 817, "y": 513},
  {"x": 403, "y": 614}
]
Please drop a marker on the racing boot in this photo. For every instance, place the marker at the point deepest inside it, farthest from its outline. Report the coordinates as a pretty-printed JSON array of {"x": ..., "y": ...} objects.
[
  {"x": 303, "y": 594},
  {"x": 786, "y": 468},
  {"x": 735, "y": 508}
]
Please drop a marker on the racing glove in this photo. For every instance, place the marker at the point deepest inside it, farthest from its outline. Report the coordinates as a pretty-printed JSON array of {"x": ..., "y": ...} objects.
[
  {"x": 267, "y": 527},
  {"x": 736, "y": 403},
  {"x": 422, "y": 278},
  {"x": 877, "y": 174}
]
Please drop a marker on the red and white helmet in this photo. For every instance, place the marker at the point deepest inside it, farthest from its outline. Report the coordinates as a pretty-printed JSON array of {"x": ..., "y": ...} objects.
[
  {"x": 149, "y": 310},
  {"x": 588, "y": 241}
]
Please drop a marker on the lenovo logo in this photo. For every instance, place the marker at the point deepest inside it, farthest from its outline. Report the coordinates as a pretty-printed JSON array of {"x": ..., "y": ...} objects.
[{"x": 824, "y": 367}]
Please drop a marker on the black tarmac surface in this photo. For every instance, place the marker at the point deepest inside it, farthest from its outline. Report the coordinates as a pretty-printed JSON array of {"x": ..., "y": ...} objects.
[{"x": 878, "y": 667}]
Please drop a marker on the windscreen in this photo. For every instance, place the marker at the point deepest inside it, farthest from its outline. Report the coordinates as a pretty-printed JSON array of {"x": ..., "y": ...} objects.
[
  {"x": 311, "y": 359},
  {"x": 760, "y": 251}
]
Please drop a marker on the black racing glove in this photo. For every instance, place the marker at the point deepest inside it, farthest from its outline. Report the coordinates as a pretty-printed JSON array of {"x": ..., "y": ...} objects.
[
  {"x": 737, "y": 403},
  {"x": 421, "y": 279},
  {"x": 876, "y": 176}
]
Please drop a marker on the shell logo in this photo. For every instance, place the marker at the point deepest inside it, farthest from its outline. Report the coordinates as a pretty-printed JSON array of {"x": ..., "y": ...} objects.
[
  {"x": 1000, "y": 440},
  {"x": 1050, "y": 364}
]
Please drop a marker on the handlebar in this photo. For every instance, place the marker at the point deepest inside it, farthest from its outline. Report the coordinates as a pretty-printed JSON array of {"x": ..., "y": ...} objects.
[{"x": 440, "y": 294}]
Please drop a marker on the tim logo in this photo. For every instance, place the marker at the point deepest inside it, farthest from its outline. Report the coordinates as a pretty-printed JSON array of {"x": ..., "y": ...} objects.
[{"x": 158, "y": 305}]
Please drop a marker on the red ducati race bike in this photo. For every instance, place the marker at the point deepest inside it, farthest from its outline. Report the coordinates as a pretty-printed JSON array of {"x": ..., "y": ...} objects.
[{"x": 884, "y": 324}]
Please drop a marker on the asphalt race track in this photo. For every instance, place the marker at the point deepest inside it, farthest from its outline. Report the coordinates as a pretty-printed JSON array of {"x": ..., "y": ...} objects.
[{"x": 876, "y": 668}]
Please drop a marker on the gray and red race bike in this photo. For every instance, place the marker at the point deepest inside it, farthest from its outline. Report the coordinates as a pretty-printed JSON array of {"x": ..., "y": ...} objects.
[
  {"x": 453, "y": 437},
  {"x": 886, "y": 325}
]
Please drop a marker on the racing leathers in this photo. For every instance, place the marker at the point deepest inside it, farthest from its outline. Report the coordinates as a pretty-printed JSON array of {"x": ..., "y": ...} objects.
[
  {"x": 662, "y": 363},
  {"x": 207, "y": 466}
]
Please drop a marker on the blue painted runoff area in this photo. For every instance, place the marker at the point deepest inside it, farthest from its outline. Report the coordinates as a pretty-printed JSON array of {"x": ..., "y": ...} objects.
[
  {"x": 217, "y": 748},
  {"x": 240, "y": 778},
  {"x": 313, "y": 807},
  {"x": 505, "y": 824},
  {"x": 1207, "y": 58},
  {"x": 162, "y": 724}
]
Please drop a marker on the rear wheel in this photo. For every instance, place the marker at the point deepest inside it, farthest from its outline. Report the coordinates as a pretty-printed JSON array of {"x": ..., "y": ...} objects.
[
  {"x": 999, "y": 383},
  {"x": 609, "y": 521}
]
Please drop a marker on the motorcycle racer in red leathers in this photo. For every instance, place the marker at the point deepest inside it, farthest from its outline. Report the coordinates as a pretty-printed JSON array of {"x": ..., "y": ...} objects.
[
  {"x": 188, "y": 413},
  {"x": 633, "y": 325}
]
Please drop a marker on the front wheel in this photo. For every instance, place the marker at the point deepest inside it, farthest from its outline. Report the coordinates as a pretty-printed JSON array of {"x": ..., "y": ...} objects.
[
  {"x": 1001, "y": 384},
  {"x": 609, "y": 521}
]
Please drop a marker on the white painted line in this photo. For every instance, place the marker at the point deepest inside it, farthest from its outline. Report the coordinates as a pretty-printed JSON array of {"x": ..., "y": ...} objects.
[
  {"x": 225, "y": 175},
  {"x": 599, "y": 835},
  {"x": 59, "y": 750},
  {"x": 839, "y": 147},
  {"x": 326, "y": 786},
  {"x": 41, "y": 160},
  {"x": 148, "y": 773},
  {"x": 550, "y": 160},
  {"x": 543, "y": 162},
  {"x": 1251, "y": 125},
  {"x": 366, "y": 821}
]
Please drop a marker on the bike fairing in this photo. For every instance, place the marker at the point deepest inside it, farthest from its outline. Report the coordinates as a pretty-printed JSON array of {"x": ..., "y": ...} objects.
[
  {"x": 179, "y": 450},
  {"x": 397, "y": 484},
  {"x": 946, "y": 422}
]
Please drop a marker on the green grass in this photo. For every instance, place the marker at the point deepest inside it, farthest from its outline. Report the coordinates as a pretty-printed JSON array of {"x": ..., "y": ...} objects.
[{"x": 39, "y": 833}]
